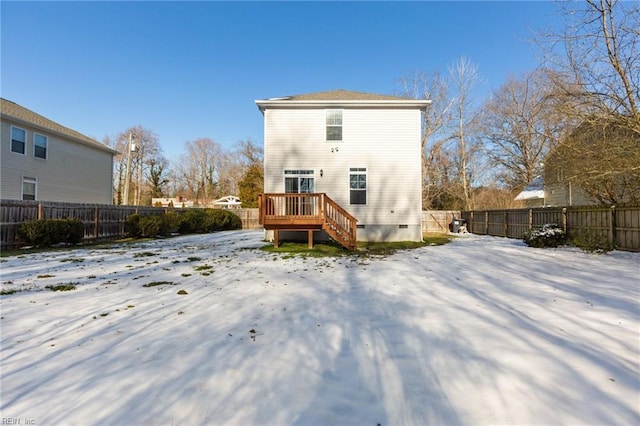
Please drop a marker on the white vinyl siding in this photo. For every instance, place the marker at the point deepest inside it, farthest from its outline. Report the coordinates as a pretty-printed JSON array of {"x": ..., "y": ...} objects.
[{"x": 386, "y": 140}]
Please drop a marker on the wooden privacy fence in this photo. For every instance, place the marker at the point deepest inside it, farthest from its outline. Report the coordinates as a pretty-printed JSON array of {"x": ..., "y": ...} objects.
[
  {"x": 101, "y": 221},
  {"x": 438, "y": 220},
  {"x": 618, "y": 225}
]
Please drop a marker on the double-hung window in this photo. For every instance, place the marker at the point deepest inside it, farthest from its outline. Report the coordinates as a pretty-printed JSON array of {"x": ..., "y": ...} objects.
[
  {"x": 334, "y": 125},
  {"x": 18, "y": 140},
  {"x": 357, "y": 185},
  {"x": 29, "y": 185},
  {"x": 40, "y": 146}
]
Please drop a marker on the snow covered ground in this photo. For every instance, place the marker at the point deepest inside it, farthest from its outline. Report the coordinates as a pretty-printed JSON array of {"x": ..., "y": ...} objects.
[{"x": 480, "y": 331}]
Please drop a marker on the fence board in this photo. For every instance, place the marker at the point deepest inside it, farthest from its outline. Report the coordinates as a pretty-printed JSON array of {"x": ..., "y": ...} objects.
[
  {"x": 438, "y": 220},
  {"x": 100, "y": 221},
  {"x": 627, "y": 229},
  {"x": 619, "y": 225}
]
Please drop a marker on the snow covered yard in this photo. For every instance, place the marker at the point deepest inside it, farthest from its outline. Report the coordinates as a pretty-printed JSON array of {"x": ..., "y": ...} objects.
[{"x": 480, "y": 331}]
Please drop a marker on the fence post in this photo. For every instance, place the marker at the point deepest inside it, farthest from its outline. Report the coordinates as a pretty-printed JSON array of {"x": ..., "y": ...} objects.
[
  {"x": 40, "y": 209},
  {"x": 96, "y": 224},
  {"x": 612, "y": 227},
  {"x": 564, "y": 220},
  {"x": 486, "y": 222},
  {"x": 530, "y": 219},
  {"x": 505, "y": 227}
]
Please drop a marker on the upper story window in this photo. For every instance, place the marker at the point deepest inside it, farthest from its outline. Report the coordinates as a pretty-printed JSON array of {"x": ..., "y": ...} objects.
[
  {"x": 40, "y": 146},
  {"x": 29, "y": 185},
  {"x": 334, "y": 125},
  {"x": 357, "y": 185},
  {"x": 18, "y": 140}
]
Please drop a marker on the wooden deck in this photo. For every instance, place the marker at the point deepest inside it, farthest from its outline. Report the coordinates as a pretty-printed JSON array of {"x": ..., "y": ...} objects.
[{"x": 307, "y": 212}]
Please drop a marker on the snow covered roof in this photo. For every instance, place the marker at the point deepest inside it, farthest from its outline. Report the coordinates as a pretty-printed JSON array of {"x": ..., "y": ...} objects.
[
  {"x": 532, "y": 194},
  {"x": 533, "y": 191}
]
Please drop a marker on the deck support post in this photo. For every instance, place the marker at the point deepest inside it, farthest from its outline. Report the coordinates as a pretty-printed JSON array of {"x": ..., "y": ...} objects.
[
  {"x": 310, "y": 239},
  {"x": 276, "y": 237}
]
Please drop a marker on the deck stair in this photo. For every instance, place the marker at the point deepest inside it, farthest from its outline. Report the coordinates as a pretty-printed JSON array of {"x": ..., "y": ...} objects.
[{"x": 307, "y": 212}]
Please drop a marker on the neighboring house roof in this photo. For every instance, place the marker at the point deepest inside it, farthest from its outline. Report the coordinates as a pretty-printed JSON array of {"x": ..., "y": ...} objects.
[
  {"x": 229, "y": 200},
  {"x": 531, "y": 194},
  {"x": 533, "y": 191},
  {"x": 21, "y": 114},
  {"x": 343, "y": 98}
]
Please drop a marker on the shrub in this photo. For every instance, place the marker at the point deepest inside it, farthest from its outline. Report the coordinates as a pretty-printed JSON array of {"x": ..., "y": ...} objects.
[
  {"x": 208, "y": 220},
  {"x": 224, "y": 220},
  {"x": 190, "y": 222},
  {"x": 47, "y": 232},
  {"x": 592, "y": 241},
  {"x": 171, "y": 222},
  {"x": 550, "y": 235},
  {"x": 132, "y": 226},
  {"x": 151, "y": 226},
  {"x": 193, "y": 221}
]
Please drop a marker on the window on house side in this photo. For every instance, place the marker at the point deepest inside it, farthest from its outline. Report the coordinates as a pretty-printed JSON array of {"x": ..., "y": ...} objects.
[
  {"x": 18, "y": 140},
  {"x": 358, "y": 185},
  {"x": 334, "y": 125},
  {"x": 29, "y": 185},
  {"x": 40, "y": 146}
]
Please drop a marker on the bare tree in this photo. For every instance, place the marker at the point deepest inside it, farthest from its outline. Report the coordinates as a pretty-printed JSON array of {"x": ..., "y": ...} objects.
[
  {"x": 156, "y": 177},
  {"x": 585, "y": 157},
  {"x": 198, "y": 170},
  {"x": 597, "y": 59},
  {"x": 448, "y": 149},
  {"x": 597, "y": 87},
  {"x": 137, "y": 148},
  {"x": 465, "y": 78},
  {"x": 519, "y": 127},
  {"x": 435, "y": 88}
]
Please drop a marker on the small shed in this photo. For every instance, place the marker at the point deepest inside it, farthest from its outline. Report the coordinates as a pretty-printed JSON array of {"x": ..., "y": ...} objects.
[{"x": 228, "y": 202}]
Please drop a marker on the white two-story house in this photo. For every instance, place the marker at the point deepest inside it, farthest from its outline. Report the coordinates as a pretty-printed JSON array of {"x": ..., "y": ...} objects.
[
  {"x": 45, "y": 161},
  {"x": 362, "y": 150}
]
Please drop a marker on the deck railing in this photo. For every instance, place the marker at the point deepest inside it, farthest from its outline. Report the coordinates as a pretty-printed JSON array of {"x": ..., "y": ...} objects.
[{"x": 308, "y": 212}]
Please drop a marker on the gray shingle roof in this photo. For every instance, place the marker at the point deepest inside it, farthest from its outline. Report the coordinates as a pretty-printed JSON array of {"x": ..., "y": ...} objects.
[
  {"x": 342, "y": 95},
  {"x": 11, "y": 109}
]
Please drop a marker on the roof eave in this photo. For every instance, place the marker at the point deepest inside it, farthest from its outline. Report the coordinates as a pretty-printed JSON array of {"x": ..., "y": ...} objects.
[
  {"x": 44, "y": 129},
  {"x": 283, "y": 102}
]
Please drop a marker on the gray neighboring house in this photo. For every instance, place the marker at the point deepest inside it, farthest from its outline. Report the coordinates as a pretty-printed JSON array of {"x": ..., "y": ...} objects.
[{"x": 45, "y": 161}]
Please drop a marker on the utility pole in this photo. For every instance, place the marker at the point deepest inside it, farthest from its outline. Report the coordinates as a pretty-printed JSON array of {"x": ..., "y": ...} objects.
[{"x": 127, "y": 176}]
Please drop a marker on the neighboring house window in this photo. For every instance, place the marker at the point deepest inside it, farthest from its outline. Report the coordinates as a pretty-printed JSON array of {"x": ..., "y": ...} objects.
[
  {"x": 40, "y": 146},
  {"x": 29, "y": 185},
  {"x": 334, "y": 125},
  {"x": 18, "y": 140},
  {"x": 358, "y": 185}
]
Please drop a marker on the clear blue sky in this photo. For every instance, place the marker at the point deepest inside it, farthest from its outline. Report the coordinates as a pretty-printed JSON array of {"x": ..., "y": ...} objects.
[{"x": 193, "y": 69}]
